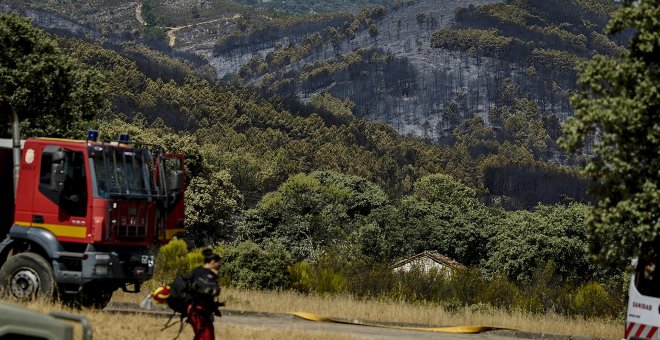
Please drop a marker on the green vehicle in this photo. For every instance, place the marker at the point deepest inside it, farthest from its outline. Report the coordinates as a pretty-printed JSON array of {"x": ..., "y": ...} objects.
[{"x": 19, "y": 323}]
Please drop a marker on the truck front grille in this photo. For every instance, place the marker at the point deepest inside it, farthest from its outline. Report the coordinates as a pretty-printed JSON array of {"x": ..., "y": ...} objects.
[
  {"x": 130, "y": 231},
  {"x": 129, "y": 220}
]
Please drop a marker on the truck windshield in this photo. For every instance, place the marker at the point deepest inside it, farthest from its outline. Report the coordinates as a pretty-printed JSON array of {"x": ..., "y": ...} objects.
[{"x": 121, "y": 171}]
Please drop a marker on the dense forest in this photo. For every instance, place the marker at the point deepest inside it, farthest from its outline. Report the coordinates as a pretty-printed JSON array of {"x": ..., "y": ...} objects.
[{"x": 296, "y": 155}]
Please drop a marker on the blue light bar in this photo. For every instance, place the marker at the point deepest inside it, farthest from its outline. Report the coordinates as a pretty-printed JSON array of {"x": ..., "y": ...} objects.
[
  {"x": 92, "y": 135},
  {"x": 123, "y": 138}
]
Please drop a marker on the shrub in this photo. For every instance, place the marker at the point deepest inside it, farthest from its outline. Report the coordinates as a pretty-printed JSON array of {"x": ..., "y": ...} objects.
[
  {"x": 418, "y": 285},
  {"x": 452, "y": 305},
  {"x": 466, "y": 285},
  {"x": 330, "y": 282},
  {"x": 375, "y": 280},
  {"x": 301, "y": 274},
  {"x": 528, "y": 303},
  {"x": 174, "y": 259},
  {"x": 319, "y": 278},
  {"x": 591, "y": 300},
  {"x": 248, "y": 265},
  {"x": 499, "y": 293}
]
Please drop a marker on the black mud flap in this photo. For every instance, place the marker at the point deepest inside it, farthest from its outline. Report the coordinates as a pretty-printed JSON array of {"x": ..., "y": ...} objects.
[{"x": 136, "y": 287}]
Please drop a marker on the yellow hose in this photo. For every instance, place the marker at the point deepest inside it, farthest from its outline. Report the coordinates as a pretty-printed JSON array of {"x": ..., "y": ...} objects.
[{"x": 456, "y": 329}]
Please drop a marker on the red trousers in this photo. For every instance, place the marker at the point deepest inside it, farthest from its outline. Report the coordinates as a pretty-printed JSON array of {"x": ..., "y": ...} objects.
[{"x": 201, "y": 322}]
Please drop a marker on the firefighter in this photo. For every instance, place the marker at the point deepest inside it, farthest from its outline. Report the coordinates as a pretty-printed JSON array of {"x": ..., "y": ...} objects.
[{"x": 205, "y": 289}]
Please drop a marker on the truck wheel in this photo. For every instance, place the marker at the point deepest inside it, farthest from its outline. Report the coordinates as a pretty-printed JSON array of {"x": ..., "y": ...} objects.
[{"x": 26, "y": 276}]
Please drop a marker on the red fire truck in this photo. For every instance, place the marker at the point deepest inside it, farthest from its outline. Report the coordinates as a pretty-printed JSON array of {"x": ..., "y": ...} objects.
[{"x": 84, "y": 216}]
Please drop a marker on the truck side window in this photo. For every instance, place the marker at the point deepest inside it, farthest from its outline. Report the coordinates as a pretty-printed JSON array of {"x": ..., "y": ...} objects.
[
  {"x": 45, "y": 174},
  {"x": 647, "y": 273},
  {"x": 72, "y": 199},
  {"x": 172, "y": 165}
]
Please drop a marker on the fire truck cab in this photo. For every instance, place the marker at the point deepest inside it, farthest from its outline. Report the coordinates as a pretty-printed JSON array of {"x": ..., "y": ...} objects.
[
  {"x": 85, "y": 216},
  {"x": 643, "y": 315}
]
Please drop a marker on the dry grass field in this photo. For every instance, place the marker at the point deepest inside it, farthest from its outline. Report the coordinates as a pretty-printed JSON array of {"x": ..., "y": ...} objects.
[
  {"x": 393, "y": 311},
  {"x": 120, "y": 326},
  {"x": 109, "y": 326}
]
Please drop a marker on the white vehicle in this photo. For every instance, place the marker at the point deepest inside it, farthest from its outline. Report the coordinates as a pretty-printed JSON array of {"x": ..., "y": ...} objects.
[{"x": 643, "y": 317}]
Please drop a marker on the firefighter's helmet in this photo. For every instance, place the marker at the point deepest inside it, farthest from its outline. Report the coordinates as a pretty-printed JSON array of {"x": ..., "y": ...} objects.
[{"x": 161, "y": 294}]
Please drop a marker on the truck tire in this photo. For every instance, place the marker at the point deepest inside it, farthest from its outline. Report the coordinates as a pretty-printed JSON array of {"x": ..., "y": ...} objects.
[{"x": 26, "y": 276}]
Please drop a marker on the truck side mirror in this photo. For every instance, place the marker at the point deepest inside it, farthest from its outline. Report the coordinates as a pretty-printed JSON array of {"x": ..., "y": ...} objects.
[
  {"x": 176, "y": 180},
  {"x": 57, "y": 176}
]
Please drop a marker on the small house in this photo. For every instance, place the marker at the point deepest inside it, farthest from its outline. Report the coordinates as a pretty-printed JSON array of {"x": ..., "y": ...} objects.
[{"x": 427, "y": 261}]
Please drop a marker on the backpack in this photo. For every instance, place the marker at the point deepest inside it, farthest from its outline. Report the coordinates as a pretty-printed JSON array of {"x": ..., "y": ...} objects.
[
  {"x": 182, "y": 291},
  {"x": 180, "y": 295}
]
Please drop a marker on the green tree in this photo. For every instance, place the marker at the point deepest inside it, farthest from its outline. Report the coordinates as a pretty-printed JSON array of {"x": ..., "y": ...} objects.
[
  {"x": 524, "y": 126},
  {"x": 443, "y": 189},
  {"x": 337, "y": 107},
  {"x": 45, "y": 88},
  {"x": 441, "y": 214},
  {"x": 248, "y": 265},
  {"x": 618, "y": 110},
  {"x": 526, "y": 241},
  {"x": 474, "y": 132},
  {"x": 445, "y": 215},
  {"x": 308, "y": 213},
  {"x": 211, "y": 202}
]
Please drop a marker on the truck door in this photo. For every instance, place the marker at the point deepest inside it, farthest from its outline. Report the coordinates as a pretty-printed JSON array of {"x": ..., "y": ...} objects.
[
  {"x": 174, "y": 169},
  {"x": 61, "y": 199}
]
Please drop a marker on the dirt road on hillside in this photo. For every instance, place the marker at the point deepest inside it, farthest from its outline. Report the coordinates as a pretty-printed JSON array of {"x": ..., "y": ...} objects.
[{"x": 171, "y": 31}]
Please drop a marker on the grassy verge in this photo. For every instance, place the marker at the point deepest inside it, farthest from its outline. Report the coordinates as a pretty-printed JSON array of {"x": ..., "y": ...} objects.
[
  {"x": 106, "y": 326},
  {"x": 395, "y": 311}
]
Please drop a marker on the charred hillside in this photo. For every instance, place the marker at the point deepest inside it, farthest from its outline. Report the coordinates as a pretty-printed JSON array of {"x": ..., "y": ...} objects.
[
  {"x": 426, "y": 68},
  {"x": 423, "y": 67}
]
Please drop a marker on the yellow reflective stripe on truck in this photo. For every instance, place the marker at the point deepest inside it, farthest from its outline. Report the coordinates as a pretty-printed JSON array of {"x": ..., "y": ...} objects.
[
  {"x": 172, "y": 232},
  {"x": 59, "y": 229}
]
